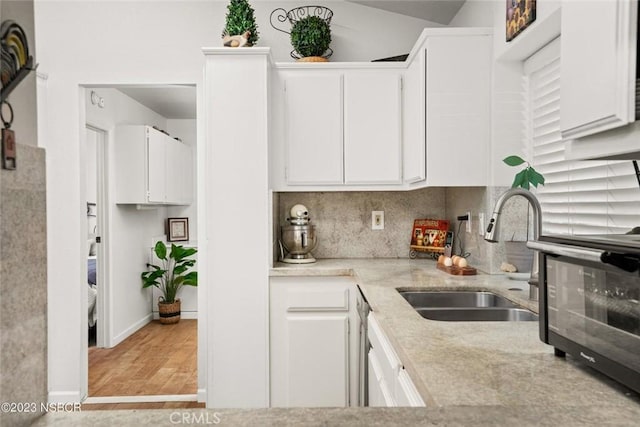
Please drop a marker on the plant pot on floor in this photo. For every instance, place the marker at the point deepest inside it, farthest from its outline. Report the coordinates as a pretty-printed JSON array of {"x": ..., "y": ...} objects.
[
  {"x": 169, "y": 312},
  {"x": 519, "y": 255}
]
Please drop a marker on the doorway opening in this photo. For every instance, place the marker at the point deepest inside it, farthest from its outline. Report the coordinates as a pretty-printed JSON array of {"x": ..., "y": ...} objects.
[
  {"x": 95, "y": 166},
  {"x": 131, "y": 357}
]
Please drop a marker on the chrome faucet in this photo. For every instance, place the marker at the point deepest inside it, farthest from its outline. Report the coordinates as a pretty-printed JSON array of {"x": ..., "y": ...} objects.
[{"x": 493, "y": 230}]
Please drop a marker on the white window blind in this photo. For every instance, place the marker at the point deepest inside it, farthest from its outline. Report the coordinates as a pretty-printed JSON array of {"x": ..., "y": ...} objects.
[{"x": 579, "y": 197}]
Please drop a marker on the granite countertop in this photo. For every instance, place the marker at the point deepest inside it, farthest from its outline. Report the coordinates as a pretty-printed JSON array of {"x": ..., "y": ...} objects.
[
  {"x": 458, "y": 364},
  {"x": 469, "y": 373}
]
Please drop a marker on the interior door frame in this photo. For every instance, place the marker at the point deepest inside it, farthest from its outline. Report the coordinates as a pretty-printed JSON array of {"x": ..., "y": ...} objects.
[
  {"x": 102, "y": 259},
  {"x": 107, "y": 304}
]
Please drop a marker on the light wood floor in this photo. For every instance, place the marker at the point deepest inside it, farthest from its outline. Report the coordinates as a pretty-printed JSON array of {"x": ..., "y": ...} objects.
[{"x": 157, "y": 359}]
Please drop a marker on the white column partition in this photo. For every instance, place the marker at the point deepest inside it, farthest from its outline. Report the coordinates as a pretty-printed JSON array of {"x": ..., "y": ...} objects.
[{"x": 236, "y": 215}]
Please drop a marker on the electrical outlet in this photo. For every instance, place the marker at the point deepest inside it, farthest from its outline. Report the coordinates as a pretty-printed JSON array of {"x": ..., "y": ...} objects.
[
  {"x": 481, "y": 223},
  {"x": 377, "y": 220},
  {"x": 468, "y": 221}
]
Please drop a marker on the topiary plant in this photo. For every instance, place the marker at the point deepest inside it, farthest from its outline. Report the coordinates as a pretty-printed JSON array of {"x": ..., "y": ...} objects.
[
  {"x": 240, "y": 19},
  {"x": 311, "y": 36}
]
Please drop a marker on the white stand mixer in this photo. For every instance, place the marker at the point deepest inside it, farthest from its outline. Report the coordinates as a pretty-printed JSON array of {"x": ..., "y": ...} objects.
[{"x": 298, "y": 238}]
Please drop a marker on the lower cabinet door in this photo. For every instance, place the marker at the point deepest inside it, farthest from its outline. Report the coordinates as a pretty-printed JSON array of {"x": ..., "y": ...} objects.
[
  {"x": 406, "y": 392},
  {"x": 379, "y": 392},
  {"x": 318, "y": 369},
  {"x": 314, "y": 339}
]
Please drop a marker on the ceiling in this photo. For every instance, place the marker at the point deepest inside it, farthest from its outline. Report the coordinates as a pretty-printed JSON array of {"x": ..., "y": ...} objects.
[
  {"x": 439, "y": 11},
  {"x": 170, "y": 101},
  {"x": 179, "y": 101}
]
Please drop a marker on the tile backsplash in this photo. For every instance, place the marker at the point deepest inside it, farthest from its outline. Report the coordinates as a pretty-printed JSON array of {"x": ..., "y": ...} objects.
[{"x": 343, "y": 221}]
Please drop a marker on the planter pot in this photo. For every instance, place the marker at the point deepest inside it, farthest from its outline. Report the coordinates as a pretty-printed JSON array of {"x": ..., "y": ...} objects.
[
  {"x": 519, "y": 255},
  {"x": 312, "y": 59},
  {"x": 169, "y": 312}
]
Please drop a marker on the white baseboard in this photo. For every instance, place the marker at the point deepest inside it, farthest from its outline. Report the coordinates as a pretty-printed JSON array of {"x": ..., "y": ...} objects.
[
  {"x": 64, "y": 397},
  {"x": 131, "y": 330},
  {"x": 142, "y": 398},
  {"x": 202, "y": 395}
]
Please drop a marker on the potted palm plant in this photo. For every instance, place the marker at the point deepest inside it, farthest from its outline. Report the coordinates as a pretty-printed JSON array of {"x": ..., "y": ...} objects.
[
  {"x": 170, "y": 277},
  {"x": 517, "y": 252}
]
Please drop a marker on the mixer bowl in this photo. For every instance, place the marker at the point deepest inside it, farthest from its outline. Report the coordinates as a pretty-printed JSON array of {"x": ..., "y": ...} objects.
[{"x": 299, "y": 240}]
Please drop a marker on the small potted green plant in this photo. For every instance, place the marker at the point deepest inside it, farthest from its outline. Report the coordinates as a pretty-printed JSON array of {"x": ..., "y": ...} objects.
[
  {"x": 170, "y": 277},
  {"x": 240, "y": 28},
  {"x": 311, "y": 37},
  {"x": 517, "y": 253}
]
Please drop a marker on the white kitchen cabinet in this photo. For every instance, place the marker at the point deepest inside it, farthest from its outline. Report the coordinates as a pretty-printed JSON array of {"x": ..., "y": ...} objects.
[
  {"x": 379, "y": 392},
  {"x": 179, "y": 185},
  {"x": 372, "y": 127},
  {"x": 413, "y": 115},
  {"x": 406, "y": 392},
  {"x": 457, "y": 111},
  {"x": 386, "y": 125},
  {"x": 156, "y": 165},
  {"x": 314, "y": 128},
  {"x": 343, "y": 127},
  {"x": 151, "y": 167},
  {"x": 389, "y": 383},
  {"x": 313, "y": 342},
  {"x": 597, "y": 77}
]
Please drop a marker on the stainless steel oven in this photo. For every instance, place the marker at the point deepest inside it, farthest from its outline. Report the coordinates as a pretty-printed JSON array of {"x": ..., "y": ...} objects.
[{"x": 590, "y": 301}]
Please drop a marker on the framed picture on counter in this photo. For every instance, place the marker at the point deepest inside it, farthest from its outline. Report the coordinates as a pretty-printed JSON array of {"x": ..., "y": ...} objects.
[
  {"x": 428, "y": 235},
  {"x": 177, "y": 229}
]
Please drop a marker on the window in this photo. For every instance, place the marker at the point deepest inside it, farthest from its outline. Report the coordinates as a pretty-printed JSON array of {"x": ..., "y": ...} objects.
[{"x": 579, "y": 197}]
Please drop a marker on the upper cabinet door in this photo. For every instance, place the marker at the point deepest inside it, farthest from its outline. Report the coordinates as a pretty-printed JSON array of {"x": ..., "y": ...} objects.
[
  {"x": 458, "y": 110},
  {"x": 413, "y": 115},
  {"x": 314, "y": 129},
  {"x": 373, "y": 135},
  {"x": 598, "y": 65},
  {"x": 157, "y": 159},
  {"x": 179, "y": 173}
]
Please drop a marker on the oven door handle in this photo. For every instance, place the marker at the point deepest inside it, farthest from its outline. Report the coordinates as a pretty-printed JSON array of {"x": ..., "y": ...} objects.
[
  {"x": 566, "y": 250},
  {"x": 622, "y": 261}
]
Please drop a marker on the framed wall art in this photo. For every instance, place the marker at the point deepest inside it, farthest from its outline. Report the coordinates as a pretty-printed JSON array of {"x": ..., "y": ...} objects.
[
  {"x": 177, "y": 229},
  {"x": 520, "y": 14}
]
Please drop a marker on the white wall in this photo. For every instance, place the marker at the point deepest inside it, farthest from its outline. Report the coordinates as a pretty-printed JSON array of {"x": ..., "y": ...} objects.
[
  {"x": 146, "y": 42},
  {"x": 508, "y": 91},
  {"x": 358, "y": 33},
  {"x": 107, "y": 45},
  {"x": 476, "y": 13}
]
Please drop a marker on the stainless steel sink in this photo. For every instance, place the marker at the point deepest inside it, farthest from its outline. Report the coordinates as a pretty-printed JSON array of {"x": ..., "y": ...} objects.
[
  {"x": 469, "y": 299},
  {"x": 478, "y": 314},
  {"x": 466, "y": 306}
]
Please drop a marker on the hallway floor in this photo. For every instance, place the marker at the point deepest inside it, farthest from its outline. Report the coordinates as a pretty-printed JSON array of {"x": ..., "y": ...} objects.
[{"x": 156, "y": 360}]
